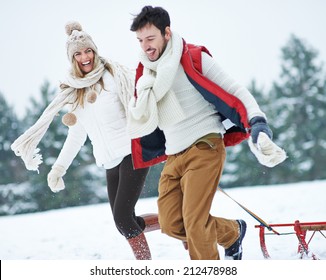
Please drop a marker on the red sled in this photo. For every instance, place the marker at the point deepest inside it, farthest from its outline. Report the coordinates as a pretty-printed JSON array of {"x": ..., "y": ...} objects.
[{"x": 300, "y": 230}]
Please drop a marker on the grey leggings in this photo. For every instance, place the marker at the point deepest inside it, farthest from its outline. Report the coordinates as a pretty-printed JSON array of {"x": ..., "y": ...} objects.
[{"x": 124, "y": 185}]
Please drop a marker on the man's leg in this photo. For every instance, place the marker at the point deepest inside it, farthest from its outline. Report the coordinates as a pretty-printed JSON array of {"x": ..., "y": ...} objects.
[
  {"x": 170, "y": 200},
  {"x": 203, "y": 167}
]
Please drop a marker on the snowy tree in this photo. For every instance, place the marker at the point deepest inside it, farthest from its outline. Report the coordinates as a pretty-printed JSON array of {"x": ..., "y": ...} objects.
[
  {"x": 10, "y": 168},
  {"x": 298, "y": 103},
  {"x": 12, "y": 196},
  {"x": 296, "y": 112}
]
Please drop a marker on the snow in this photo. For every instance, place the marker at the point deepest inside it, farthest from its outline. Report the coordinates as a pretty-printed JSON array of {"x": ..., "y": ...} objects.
[{"x": 89, "y": 233}]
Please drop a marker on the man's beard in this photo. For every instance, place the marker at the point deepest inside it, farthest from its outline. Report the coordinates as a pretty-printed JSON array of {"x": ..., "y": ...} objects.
[{"x": 163, "y": 49}]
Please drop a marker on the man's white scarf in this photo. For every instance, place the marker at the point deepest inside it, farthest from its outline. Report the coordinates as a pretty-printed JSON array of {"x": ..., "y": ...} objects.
[
  {"x": 156, "y": 104},
  {"x": 25, "y": 146}
]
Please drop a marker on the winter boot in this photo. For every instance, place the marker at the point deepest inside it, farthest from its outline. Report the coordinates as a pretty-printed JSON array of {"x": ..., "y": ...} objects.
[
  {"x": 235, "y": 251},
  {"x": 140, "y": 247},
  {"x": 151, "y": 222}
]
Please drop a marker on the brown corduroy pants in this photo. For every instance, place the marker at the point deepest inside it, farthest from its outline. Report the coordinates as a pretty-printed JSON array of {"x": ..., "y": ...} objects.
[{"x": 187, "y": 187}]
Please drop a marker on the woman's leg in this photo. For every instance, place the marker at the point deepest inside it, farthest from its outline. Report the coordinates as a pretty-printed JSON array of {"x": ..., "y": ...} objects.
[{"x": 124, "y": 188}]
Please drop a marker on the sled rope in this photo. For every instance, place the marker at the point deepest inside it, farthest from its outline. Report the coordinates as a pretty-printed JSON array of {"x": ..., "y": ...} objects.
[{"x": 260, "y": 220}]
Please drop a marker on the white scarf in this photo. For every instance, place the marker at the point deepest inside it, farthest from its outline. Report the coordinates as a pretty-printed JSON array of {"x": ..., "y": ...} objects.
[
  {"x": 25, "y": 146},
  {"x": 156, "y": 104}
]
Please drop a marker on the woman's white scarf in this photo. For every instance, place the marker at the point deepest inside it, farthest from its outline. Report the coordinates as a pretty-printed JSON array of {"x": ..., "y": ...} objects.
[
  {"x": 25, "y": 146},
  {"x": 156, "y": 104}
]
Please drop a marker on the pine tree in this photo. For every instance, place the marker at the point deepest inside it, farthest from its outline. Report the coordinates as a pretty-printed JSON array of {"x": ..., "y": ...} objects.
[
  {"x": 295, "y": 109},
  {"x": 10, "y": 167},
  {"x": 299, "y": 108},
  {"x": 13, "y": 196}
]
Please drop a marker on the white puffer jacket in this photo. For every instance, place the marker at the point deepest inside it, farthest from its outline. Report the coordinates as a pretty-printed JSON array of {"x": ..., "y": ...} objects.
[{"x": 104, "y": 122}]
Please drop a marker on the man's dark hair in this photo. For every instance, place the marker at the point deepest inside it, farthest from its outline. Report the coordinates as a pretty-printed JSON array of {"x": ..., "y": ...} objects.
[{"x": 153, "y": 15}]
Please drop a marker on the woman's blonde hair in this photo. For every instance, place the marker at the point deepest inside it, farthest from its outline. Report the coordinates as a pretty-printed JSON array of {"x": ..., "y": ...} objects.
[{"x": 76, "y": 72}]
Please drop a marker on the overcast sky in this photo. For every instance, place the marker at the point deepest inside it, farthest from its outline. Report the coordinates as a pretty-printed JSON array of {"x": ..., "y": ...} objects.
[{"x": 244, "y": 36}]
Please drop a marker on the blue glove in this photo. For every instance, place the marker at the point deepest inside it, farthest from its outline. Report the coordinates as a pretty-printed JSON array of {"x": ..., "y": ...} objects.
[{"x": 259, "y": 124}]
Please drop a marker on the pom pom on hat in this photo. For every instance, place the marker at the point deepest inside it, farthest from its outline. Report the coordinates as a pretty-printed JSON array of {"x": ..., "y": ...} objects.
[
  {"x": 77, "y": 39},
  {"x": 71, "y": 26}
]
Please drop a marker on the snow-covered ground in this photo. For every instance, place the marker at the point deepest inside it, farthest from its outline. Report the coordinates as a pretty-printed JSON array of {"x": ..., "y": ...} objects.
[{"x": 88, "y": 233}]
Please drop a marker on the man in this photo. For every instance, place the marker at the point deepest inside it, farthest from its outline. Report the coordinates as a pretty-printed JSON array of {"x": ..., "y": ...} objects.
[{"x": 192, "y": 133}]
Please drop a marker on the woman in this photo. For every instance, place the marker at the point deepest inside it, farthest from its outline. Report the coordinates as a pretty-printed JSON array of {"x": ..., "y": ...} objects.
[{"x": 97, "y": 92}]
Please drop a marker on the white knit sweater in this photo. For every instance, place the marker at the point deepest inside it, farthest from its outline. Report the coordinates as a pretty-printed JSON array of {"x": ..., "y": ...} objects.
[
  {"x": 201, "y": 117},
  {"x": 104, "y": 122},
  {"x": 167, "y": 99}
]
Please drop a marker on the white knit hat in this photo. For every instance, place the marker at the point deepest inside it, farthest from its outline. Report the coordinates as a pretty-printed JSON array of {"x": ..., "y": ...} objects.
[{"x": 77, "y": 39}]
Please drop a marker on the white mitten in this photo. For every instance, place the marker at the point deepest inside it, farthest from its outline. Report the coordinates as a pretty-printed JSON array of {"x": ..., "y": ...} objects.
[
  {"x": 55, "y": 181},
  {"x": 266, "y": 151}
]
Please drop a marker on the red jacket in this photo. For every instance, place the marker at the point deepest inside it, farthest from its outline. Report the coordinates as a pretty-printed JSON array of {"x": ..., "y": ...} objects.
[{"x": 150, "y": 149}]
